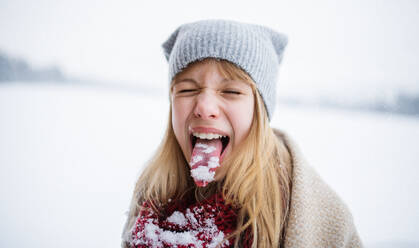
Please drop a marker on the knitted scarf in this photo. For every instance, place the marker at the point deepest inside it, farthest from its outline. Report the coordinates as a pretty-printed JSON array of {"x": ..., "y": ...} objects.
[{"x": 185, "y": 224}]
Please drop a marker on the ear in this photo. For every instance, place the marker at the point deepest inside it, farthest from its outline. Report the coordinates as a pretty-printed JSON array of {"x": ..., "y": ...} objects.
[
  {"x": 279, "y": 42},
  {"x": 169, "y": 43}
]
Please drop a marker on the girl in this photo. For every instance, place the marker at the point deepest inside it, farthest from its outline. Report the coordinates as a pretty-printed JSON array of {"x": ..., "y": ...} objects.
[{"x": 222, "y": 177}]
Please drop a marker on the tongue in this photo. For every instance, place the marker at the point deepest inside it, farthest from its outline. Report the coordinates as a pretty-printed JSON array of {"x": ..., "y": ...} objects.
[{"x": 205, "y": 160}]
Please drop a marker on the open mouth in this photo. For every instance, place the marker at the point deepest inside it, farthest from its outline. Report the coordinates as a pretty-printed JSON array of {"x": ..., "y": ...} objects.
[
  {"x": 207, "y": 155},
  {"x": 224, "y": 140}
]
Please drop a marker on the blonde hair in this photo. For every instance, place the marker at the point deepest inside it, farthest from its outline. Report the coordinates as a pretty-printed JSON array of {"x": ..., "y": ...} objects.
[{"x": 257, "y": 179}]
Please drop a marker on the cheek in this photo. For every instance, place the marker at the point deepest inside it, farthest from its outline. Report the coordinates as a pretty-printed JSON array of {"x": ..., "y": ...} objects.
[
  {"x": 242, "y": 119},
  {"x": 179, "y": 116}
]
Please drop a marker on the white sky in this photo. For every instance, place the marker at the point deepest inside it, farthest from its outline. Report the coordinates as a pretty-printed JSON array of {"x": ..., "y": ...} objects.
[{"x": 333, "y": 45}]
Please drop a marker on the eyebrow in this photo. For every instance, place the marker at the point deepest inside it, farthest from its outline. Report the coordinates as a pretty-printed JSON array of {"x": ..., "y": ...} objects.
[
  {"x": 190, "y": 80},
  {"x": 185, "y": 80}
]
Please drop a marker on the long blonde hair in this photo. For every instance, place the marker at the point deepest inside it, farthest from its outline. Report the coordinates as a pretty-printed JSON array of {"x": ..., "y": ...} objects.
[{"x": 257, "y": 180}]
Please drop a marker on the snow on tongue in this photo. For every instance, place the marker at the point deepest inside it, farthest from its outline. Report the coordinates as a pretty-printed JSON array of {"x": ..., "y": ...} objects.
[{"x": 205, "y": 160}]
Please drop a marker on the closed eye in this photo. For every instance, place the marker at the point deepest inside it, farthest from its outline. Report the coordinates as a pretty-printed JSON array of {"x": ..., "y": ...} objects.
[
  {"x": 233, "y": 92},
  {"x": 187, "y": 90}
]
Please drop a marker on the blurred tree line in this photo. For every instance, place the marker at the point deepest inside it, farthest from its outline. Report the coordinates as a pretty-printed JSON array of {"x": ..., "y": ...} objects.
[
  {"x": 407, "y": 104},
  {"x": 14, "y": 69}
]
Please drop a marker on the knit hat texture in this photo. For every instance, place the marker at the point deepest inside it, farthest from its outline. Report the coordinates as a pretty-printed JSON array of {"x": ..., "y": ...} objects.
[{"x": 256, "y": 49}]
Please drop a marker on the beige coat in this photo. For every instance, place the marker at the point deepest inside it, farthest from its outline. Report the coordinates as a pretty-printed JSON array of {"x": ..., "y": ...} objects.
[{"x": 318, "y": 217}]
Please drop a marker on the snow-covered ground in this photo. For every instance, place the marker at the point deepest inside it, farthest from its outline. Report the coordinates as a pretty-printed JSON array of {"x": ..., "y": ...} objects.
[{"x": 69, "y": 157}]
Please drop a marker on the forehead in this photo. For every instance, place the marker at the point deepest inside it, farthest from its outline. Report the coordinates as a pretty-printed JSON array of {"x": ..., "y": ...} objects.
[
  {"x": 213, "y": 70},
  {"x": 201, "y": 71}
]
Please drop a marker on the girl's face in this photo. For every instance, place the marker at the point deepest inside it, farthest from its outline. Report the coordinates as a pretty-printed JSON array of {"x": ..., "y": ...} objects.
[{"x": 206, "y": 105}]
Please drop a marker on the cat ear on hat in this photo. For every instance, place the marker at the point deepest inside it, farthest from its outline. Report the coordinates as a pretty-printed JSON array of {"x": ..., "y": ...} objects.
[
  {"x": 169, "y": 43},
  {"x": 279, "y": 42}
]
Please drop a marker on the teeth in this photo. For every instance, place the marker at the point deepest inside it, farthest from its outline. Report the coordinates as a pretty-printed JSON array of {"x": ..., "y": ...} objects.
[{"x": 209, "y": 136}]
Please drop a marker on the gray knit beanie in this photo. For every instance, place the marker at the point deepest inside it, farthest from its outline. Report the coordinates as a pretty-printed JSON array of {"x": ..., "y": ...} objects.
[{"x": 255, "y": 49}]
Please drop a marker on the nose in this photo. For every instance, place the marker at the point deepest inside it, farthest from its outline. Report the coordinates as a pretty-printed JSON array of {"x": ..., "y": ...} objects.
[{"x": 206, "y": 106}]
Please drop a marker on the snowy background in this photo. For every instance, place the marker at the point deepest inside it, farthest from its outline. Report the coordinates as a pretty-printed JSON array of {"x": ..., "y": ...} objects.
[{"x": 75, "y": 134}]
